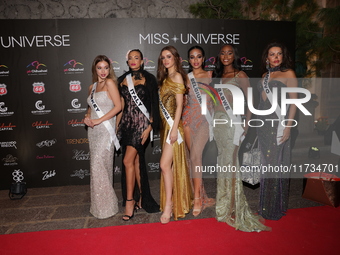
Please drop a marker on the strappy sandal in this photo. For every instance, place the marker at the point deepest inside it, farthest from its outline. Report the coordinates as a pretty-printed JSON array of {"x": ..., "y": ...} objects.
[
  {"x": 196, "y": 212},
  {"x": 129, "y": 217}
]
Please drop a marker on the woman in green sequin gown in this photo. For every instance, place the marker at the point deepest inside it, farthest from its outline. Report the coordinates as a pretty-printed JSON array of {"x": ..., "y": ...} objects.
[{"x": 231, "y": 204}]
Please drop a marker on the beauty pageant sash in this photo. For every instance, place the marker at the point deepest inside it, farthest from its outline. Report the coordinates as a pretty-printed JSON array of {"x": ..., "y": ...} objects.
[
  {"x": 106, "y": 123},
  {"x": 199, "y": 99},
  {"x": 170, "y": 122},
  {"x": 236, "y": 119},
  {"x": 137, "y": 101},
  {"x": 269, "y": 94}
]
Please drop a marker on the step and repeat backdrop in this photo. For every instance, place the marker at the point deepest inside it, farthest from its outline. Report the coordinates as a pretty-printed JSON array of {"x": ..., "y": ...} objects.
[{"x": 45, "y": 72}]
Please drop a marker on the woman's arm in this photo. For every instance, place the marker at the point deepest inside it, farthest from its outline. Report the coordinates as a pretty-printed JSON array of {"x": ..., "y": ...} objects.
[
  {"x": 179, "y": 108},
  {"x": 120, "y": 114},
  {"x": 87, "y": 120},
  {"x": 291, "y": 82},
  {"x": 113, "y": 93},
  {"x": 244, "y": 84}
]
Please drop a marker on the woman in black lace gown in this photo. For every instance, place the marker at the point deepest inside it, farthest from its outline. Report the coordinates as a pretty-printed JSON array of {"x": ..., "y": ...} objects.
[{"x": 134, "y": 130}]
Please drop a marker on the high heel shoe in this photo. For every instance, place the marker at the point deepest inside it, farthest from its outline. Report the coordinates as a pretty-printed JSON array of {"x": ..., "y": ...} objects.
[
  {"x": 164, "y": 219},
  {"x": 129, "y": 217},
  {"x": 197, "y": 211},
  {"x": 139, "y": 203}
]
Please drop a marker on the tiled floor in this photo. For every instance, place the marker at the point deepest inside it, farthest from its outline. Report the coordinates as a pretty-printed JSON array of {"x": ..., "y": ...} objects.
[{"x": 68, "y": 207}]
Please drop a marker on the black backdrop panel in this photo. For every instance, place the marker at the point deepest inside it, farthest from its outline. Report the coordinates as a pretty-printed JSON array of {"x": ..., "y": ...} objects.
[{"x": 45, "y": 71}]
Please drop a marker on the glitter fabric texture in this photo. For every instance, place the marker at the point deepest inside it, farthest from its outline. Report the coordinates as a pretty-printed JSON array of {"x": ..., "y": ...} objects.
[
  {"x": 274, "y": 188},
  {"x": 104, "y": 202}
]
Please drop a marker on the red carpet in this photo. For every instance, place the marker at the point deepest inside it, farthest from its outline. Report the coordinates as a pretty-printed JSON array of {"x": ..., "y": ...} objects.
[{"x": 312, "y": 230}]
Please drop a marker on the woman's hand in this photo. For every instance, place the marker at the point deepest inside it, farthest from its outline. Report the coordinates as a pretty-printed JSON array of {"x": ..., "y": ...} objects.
[
  {"x": 88, "y": 122},
  {"x": 145, "y": 134},
  {"x": 286, "y": 135},
  {"x": 173, "y": 135}
]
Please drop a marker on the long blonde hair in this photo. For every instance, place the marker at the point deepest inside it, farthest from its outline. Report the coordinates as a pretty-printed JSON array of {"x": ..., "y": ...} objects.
[{"x": 98, "y": 59}]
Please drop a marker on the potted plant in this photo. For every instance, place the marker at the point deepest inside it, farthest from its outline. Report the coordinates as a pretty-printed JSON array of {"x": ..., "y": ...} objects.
[{"x": 321, "y": 125}]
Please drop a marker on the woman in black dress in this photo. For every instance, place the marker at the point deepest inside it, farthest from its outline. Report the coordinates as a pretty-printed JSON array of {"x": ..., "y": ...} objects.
[
  {"x": 136, "y": 124},
  {"x": 274, "y": 140}
]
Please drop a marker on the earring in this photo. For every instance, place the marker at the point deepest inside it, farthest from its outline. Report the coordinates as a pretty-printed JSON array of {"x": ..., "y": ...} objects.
[{"x": 267, "y": 64}]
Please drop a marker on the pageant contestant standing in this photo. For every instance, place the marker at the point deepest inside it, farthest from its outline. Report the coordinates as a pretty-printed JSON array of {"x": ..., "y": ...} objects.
[
  {"x": 140, "y": 116},
  {"x": 104, "y": 104},
  {"x": 274, "y": 140},
  {"x": 175, "y": 190},
  {"x": 231, "y": 204},
  {"x": 198, "y": 127}
]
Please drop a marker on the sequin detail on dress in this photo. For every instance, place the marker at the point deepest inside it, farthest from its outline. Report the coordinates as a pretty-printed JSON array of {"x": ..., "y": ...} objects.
[
  {"x": 231, "y": 203},
  {"x": 104, "y": 202},
  {"x": 274, "y": 187}
]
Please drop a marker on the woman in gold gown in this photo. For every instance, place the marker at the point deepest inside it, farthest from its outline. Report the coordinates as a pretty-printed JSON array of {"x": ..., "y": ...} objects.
[{"x": 175, "y": 190}]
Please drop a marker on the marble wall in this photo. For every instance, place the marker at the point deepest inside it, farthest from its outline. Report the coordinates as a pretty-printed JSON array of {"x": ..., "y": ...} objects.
[{"x": 78, "y": 9}]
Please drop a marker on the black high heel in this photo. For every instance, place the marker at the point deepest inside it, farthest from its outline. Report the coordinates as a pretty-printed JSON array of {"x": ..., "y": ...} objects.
[{"x": 129, "y": 217}]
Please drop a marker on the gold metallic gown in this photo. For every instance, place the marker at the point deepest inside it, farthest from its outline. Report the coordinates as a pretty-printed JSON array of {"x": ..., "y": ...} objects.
[{"x": 181, "y": 195}]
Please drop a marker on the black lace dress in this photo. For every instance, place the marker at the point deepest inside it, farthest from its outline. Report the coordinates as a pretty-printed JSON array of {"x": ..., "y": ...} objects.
[{"x": 131, "y": 127}]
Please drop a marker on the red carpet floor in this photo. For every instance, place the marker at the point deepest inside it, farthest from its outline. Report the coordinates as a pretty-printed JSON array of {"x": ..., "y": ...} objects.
[{"x": 314, "y": 230}]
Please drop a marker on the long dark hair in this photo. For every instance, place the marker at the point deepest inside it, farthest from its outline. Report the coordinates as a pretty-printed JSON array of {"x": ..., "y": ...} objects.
[
  {"x": 219, "y": 67},
  {"x": 98, "y": 59},
  {"x": 141, "y": 55},
  {"x": 287, "y": 62},
  {"x": 162, "y": 72},
  {"x": 203, "y": 55}
]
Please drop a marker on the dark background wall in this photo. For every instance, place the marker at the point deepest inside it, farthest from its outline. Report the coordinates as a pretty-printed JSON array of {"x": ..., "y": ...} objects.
[{"x": 45, "y": 71}]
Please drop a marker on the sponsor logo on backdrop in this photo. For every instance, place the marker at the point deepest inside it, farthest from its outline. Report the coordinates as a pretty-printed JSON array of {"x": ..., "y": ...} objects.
[
  {"x": 40, "y": 108},
  {"x": 38, "y": 41},
  {"x": 81, "y": 155},
  {"x": 185, "y": 64},
  {"x": 18, "y": 175},
  {"x": 76, "y": 107},
  {"x": 81, "y": 173},
  {"x": 189, "y": 38},
  {"x": 36, "y": 68},
  {"x": 48, "y": 174},
  {"x": 210, "y": 64},
  {"x": 46, "y": 143},
  {"x": 73, "y": 67},
  {"x": 10, "y": 144},
  {"x": 75, "y": 86},
  {"x": 4, "y": 70},
  {"x": 76, "y": 123},
  {"x": 157, "y": 150},
  {"x": 38, "y": 87},
  {"x": 117, "y": 170},
  {"x": 149, "y": 65},
  {"x": 154, "y": 167},
  {"x": 10, "y": 160},
  {"x": 3, "y": 110},
  {"x": 44, "y": 157},
  {"x": 3, "y": 89},
  {"x": 115, "y": 66},
  {"x": 77, "y": 141},
  {"x": 246, "y": 63},
  {"x": 41, "y": 125},
  {"x": 7, "y": 127}
]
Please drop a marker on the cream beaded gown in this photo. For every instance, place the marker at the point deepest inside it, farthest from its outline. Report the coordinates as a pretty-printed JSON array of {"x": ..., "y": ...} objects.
[{"x": 104, "y": 202}]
